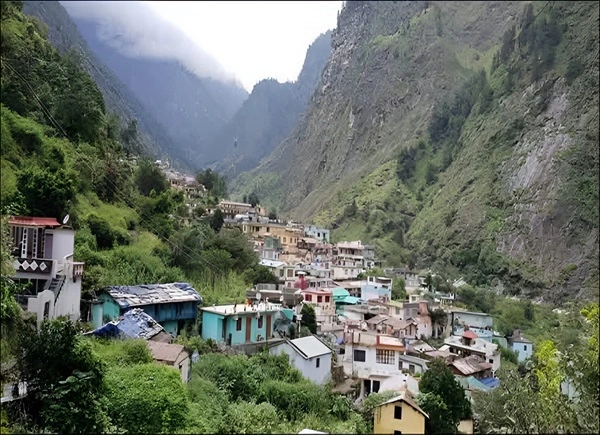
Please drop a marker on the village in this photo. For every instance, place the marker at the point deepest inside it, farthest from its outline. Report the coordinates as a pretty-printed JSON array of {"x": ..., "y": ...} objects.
[{"x": 363, "y": 340}]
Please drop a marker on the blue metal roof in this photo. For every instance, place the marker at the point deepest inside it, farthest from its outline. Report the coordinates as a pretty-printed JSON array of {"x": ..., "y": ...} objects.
[
  {"x": 149, "y": 294},
  {"x": 134, "y": 323},
  {"x": 490, "y": 382}
]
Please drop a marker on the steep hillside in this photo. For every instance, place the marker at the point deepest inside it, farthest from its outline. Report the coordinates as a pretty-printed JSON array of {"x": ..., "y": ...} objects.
[
  {"x": 270, "y": 113},
  {"x": 492, "y": 175},
  {"x": 63, "y": 34},
  {"x": 192, "y": 110}
]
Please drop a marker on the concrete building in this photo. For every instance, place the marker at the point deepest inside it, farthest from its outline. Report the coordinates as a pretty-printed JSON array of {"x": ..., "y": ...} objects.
[
  {"x": 43, "y": 251},
  {"x": 173, "y": 305},
  {"x": 309, "y": 355},
  {"x": 469, "y": 344},
  {"x": 241, "y": 323},
  {"x": 320, "y": 234},
  {"x": 522, "y": 346}
]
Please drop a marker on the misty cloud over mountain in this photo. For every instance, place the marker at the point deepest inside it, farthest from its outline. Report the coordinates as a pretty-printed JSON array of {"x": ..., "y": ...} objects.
[{"x": 136, "y": 31}]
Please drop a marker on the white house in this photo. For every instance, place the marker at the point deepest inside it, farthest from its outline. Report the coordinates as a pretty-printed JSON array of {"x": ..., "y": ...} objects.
[
  {"x": 321, "y": 234},
  {"x": 309, "y": 355},
  {"x": 378, "y": 288},
  {"x": 375, "y": 360},
  {"x": 43, "y": 251},
  {"x": 469, "y": 344}
]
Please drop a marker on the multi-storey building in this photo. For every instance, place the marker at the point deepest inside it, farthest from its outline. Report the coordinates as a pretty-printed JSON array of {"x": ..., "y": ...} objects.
[{"x": 43, "y": 252}]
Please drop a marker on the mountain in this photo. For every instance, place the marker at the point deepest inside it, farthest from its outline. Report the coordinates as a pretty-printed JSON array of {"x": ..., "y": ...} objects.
[
  {"x": 63, "y": 34},
  {"x": 269, "y": 114},
  {"x": 461, "y": 136},
  {"x": 192, "y": 110}
]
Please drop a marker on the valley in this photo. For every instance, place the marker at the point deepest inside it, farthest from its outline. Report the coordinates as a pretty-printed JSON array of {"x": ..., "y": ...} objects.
[{"x": 404, "y": 239}]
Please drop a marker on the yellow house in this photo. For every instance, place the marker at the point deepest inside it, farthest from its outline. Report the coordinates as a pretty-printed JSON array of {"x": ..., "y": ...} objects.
[{"x": 400, "y": 415}]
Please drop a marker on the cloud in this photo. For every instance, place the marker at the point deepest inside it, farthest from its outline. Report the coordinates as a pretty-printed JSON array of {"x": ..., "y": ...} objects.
[{"x": 135, "y": 30}]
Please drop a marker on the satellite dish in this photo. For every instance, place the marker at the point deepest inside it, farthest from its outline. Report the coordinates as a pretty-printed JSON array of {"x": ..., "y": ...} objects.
[
  {"x": 258, "y": 295},
  {"x": 65, "y": 220}
]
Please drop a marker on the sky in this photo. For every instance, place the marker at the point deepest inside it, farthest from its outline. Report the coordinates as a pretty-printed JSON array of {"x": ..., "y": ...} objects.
[{"x": 246, "y": 41}]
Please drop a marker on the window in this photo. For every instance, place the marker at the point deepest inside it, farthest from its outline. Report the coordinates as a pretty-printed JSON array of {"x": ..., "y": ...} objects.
[
  {"x": 46, "y": 309},
  {"x": 397, "y": 432},
  {"x": 385, "y": 356},
  {"x": 411, "y": 368},
  {"x": 491, "y": 361},
  {"x": 360, "y": 355},
  {"x": 525, "y": 347},
  {"x": 260, "y": 322},
  {"x": 318, "y": 362},
  {"x": 285, "y": 240},
  {"x": 327, "y": 300},
  {"x": 319, "y": 298},
  {"x": 238, "y": 324},
  {"x": 398, "y": 412},
  {"x": 308, "y": 298}
]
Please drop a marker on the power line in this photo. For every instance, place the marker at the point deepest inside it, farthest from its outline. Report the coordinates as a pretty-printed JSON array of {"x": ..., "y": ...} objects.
[{"x": 112, "y": 187}]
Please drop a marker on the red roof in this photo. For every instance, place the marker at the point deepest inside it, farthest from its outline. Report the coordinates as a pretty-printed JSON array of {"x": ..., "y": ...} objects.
[
  {"x": 469, "y": 334},
  {"x": 34, "y": 221}
]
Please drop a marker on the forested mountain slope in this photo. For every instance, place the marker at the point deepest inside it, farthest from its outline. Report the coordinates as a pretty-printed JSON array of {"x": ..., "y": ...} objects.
[
  {"x": 269, "y": 114},
  {"x": 63, "y": 34},
  {"x": 460, "y": 135},
  {"x": 192, "y": 110}
]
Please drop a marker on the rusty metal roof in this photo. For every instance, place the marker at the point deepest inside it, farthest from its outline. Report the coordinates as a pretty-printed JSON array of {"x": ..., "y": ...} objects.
[
  {"x": 33, "y": 221},
  {"x": 165, "y": 352}
]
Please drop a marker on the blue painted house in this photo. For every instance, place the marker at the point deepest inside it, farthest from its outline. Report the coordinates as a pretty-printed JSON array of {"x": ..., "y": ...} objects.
[
  {"x": 522, "y": 346},
  {"x": 173, "y": 305},
  {"x": 239, "y": 324}
]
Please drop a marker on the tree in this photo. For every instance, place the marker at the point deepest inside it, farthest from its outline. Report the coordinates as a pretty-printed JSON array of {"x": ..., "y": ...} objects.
[
  {"x": 437, "y": 410},
  {"x": 149, "y": 177},
  {"x": 46, "y": 193},
  {"x": 273, "y": 215},
  {"x": 351, "y": 210},
  {"x": 262, "y": 275},
  {"x": 309, "y": 318},
  {"x": 399, "y": 289},
  {"x": 438, "y": 318},
  {"x": 64, "y": 378},
  {"x": 451, "y": 404},
  {"x": 253, "y": 199},
  {"x": 216, "y": 220}
]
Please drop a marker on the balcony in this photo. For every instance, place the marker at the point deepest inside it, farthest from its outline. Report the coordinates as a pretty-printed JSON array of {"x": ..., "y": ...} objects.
[{"x": 39, "y": 266}]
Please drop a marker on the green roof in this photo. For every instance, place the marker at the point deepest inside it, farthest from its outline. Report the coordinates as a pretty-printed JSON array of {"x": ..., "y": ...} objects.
[
  {"x": 340, "y": 293},
  {"x": 350, "y": 300}
]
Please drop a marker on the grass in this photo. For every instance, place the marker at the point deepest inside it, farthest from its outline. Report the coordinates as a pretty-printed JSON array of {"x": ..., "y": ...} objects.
[{"x": 117, "y": 215}]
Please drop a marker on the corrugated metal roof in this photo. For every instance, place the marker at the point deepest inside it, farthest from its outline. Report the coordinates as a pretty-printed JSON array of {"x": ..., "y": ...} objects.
[
  {"x": 470, "y": 365},
  {"x": 490, "y": 382},
  {"x": 310, "y": 346},
  {"x": 139, "y": 295},
  {"x": 135, "y": 323},
  {"x": 165, "y": 352},
  {"x": 379, "y": 318},
  {"x": 33, "y": 221}
]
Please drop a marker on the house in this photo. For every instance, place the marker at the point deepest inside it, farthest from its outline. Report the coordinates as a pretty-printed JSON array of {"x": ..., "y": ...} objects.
[
  {"x": 239, "y": 323},
  {"x": 309, "y": 355},
  {"x": 135, "y": 323},
  {"x": 348, "y": 261},
  {"x": 276, "y": 267},
  {"x": 270, "y": 249},
  {"x": 173, "y": 305},
  {"x": 173, "y": 355},
  {"x": 402, "y": 328},
  {"x": 230, "y": 208},
  {"x": 480, "y": 323},
  {"x": 399, "y": 415},
  {"x": 412, "y": 364},
  {"x": 374, "y": 360},
  {"x": 419, "y": 312},
  {"x": 321, "y": 234},
  {"x": 469, "y": 344},
  {"x": 322, "y": 302},
  {"x": 519, "y": 344},
  {"x": 43, "y": 252},
  {"x": 378, "y": 288},
  {"x": 471, "y": 366}
]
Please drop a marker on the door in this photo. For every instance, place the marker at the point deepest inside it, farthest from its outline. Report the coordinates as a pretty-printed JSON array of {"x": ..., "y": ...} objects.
[
  {"x": 248, "y": 327},
  {"x": 268, "y": 330}
]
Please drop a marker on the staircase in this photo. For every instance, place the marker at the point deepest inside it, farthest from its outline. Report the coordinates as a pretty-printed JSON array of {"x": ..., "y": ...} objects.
[{"x": 56, "y": 285}]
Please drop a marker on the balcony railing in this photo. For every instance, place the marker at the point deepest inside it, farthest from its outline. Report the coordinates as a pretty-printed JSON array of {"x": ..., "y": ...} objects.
[{"x": 33, "y": 265}]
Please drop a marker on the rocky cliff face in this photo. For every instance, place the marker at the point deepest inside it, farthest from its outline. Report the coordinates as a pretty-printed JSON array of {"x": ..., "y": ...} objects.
[{"x": 490, "y": 176}]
